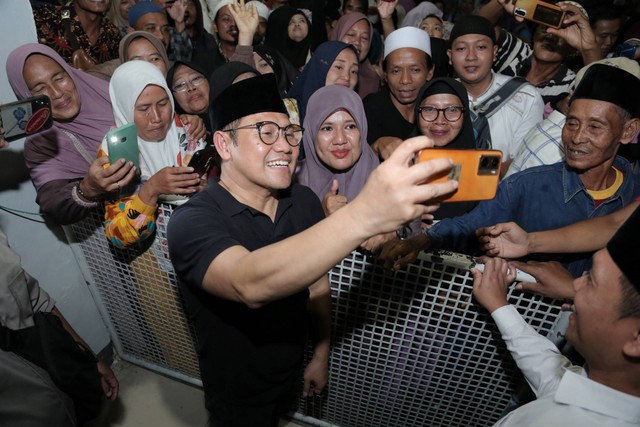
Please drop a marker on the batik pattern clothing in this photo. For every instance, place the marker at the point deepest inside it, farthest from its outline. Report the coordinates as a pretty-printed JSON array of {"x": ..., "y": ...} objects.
[
  {"x": 52, "y": 32},
  {"x": 127, "y": 218}
]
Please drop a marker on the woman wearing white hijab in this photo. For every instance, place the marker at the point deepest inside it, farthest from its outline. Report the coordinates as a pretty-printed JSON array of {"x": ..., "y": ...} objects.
[{"x": 139, "y": 94}]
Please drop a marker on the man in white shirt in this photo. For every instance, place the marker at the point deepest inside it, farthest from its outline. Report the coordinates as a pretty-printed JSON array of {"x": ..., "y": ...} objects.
[
  {"x": 604, "y": 327},
  {"x": 473, "y": 50}
]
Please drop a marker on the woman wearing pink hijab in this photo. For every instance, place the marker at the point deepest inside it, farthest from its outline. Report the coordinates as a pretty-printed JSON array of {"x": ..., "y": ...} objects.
[
  {"x": 69, "y": 180},
  {"x": 355, "y": 29}
]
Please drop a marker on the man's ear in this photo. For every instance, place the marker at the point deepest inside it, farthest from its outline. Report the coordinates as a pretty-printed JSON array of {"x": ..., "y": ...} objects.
[
  {"x": 430, "y": 73},
  {"x": 449, "y": 55},
  {"x": 222, "y": 141},
  {"x": 631, "y": 348},
  {"x": 214, "y": 27},
  {"x": 495, "y": 53},
  {"x": 630, "y": 130}
]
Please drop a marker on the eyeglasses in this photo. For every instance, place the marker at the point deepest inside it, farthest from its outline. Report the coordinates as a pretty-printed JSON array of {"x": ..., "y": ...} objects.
[
  {"x": 184, "y": 86},
  {"x": 430, "y": 113},
  {"x": 270, "y": 131}
]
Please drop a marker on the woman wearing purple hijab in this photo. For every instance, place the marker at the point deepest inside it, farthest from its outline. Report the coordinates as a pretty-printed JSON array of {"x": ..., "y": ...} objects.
[
  {"x": 355, "y": 29},
  {"x": 69, "y": 180},
  {"x": 339, "y": 160}
]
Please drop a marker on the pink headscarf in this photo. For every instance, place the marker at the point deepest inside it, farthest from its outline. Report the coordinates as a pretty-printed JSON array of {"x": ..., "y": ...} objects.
[
  {"x": 368, "y": 80},
  {"x": 51, "y": 155}
]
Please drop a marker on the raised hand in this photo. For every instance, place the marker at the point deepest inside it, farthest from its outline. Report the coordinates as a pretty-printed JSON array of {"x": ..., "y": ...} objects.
[
  {"x": 577, "y": 32},
  {"x": 247, "y": 21},
  {"x": 386, "y": 8},
  {"x": 332, "y": 200}
]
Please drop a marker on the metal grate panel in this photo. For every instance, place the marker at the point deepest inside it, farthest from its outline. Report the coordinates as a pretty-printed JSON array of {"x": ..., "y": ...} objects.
[{"x": 408, "y": 349}]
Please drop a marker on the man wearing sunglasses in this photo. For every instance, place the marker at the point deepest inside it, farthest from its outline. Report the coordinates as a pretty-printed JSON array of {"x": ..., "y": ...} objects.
[{"x": 252, "y": 253}]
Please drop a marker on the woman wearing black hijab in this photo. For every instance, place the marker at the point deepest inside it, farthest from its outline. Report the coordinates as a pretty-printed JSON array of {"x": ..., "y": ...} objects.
[
  {"x": 190, "y": 89},
  {"x": 442, "y": 114},
  {"x": 267, "y": 59},
  {"x": 278, "y": 37}
]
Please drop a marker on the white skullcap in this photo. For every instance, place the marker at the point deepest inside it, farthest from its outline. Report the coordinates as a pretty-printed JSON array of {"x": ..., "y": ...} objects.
[
  {"x": 215, "y": 6},
  {"x": 263, "y": 10},
  {"x": 407, "y": 37}
]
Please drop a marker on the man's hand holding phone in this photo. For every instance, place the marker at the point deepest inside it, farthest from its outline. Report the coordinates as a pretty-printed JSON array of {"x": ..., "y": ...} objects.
[{"x": 577, "y": 32}]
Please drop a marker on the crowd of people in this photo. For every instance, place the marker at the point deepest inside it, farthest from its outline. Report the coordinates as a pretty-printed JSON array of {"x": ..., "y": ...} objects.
[{"x": 315, "y": 112}]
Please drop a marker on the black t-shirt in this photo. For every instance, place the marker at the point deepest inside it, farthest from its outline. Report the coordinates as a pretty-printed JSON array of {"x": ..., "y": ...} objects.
[
  {"x": 247, "y": 356},
  {"x": 383, "y": 117}
]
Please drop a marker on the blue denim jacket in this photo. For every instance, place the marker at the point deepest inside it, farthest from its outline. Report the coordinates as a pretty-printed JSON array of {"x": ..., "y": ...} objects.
[{"x": 539, "y": 198}]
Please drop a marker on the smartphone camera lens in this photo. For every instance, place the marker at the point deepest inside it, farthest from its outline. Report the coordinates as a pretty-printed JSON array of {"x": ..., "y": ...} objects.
[{"x": 489, "y": 165}]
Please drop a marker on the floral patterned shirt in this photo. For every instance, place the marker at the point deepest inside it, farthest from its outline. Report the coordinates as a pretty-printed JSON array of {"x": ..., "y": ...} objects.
[
  {"x": 128, "y": 219},
  {"x": 53, "y": 33}
]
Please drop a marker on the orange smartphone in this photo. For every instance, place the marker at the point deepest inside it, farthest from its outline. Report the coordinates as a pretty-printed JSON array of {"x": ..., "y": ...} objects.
[
  {"x": 541, "y": 12},
  {"x": 477, "y": 171}
]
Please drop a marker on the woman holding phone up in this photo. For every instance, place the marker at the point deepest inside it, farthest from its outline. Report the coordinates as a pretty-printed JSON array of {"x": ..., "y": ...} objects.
[
  {"x": 70, "y": 181},
  {"x": 140, "y": 95}
]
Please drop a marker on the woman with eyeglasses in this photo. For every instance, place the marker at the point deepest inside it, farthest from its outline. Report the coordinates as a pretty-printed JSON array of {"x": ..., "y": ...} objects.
[
  {"x": 442, "y": 114},
  {"x": 190, "y": 89}
]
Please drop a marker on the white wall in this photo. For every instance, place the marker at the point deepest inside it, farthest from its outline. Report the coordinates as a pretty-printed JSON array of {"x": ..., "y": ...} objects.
[{"x": 45, "y": 253}]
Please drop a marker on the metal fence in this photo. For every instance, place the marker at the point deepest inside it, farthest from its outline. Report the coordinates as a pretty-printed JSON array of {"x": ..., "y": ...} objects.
[{"x": 408, "y": 349}]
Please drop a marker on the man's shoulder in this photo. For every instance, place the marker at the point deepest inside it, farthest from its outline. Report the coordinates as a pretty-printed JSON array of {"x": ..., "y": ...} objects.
[
  {"x": 526, "y": 88},
  {"x": 536, "y": 175},
  {"x": 376, "y": 99}
]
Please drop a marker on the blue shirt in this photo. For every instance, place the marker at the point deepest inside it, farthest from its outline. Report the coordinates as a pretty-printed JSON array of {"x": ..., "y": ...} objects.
[{"x": 537, "y": 199}]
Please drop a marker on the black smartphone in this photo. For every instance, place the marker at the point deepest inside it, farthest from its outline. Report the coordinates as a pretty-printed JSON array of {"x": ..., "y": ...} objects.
[
  {"x": 122, "y": 143},
  {"x": 26, "y": 117},
  {"x": 203, "y": 160}
]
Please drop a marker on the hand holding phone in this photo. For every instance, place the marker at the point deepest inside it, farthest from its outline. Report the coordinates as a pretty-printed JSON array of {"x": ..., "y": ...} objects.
[
  {"x": 539, "y": 11},
  {"x": 26, "y": 117},
  {"x": 122, "y": 143},
  {"x": 477, "y": 171},
  {"x": 203, "y": 160}
]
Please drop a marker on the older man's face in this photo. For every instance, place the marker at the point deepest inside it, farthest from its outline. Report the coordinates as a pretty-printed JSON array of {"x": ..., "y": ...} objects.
[
  {"x": 592, "y": 133},
  {"x": 156, "y": 24}
]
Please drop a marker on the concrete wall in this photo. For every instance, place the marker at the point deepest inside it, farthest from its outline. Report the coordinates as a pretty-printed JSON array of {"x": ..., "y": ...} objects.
[{"x": 42, "y": 246}]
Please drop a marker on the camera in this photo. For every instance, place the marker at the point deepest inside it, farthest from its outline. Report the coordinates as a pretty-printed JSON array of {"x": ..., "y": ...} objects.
[{"x": 489, "y": 165}]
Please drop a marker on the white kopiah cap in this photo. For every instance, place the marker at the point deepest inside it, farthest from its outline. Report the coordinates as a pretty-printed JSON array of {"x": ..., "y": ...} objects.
[
  {"x": 407, "y": 37},
  {"x": 263, "y": 10}
]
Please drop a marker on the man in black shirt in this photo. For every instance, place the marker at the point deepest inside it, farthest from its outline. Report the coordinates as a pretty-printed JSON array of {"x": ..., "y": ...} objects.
[{"x": 252, "y": 252}]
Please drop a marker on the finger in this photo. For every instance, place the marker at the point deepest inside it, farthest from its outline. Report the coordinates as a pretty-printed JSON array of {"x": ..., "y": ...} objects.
[
  {"x": 404, "y": 261},
  {"x": 528, "y": 287},
  {"x": 428, "y": 193},
  {"x": 129, "y": 176},
  {"x": 102, "y": 160},
  {"x": 407, "y": 150},
  {"x": 121, "y": 172},
  {"x": 334, "y": 187},
  {"x": 530, "y": 267}
]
